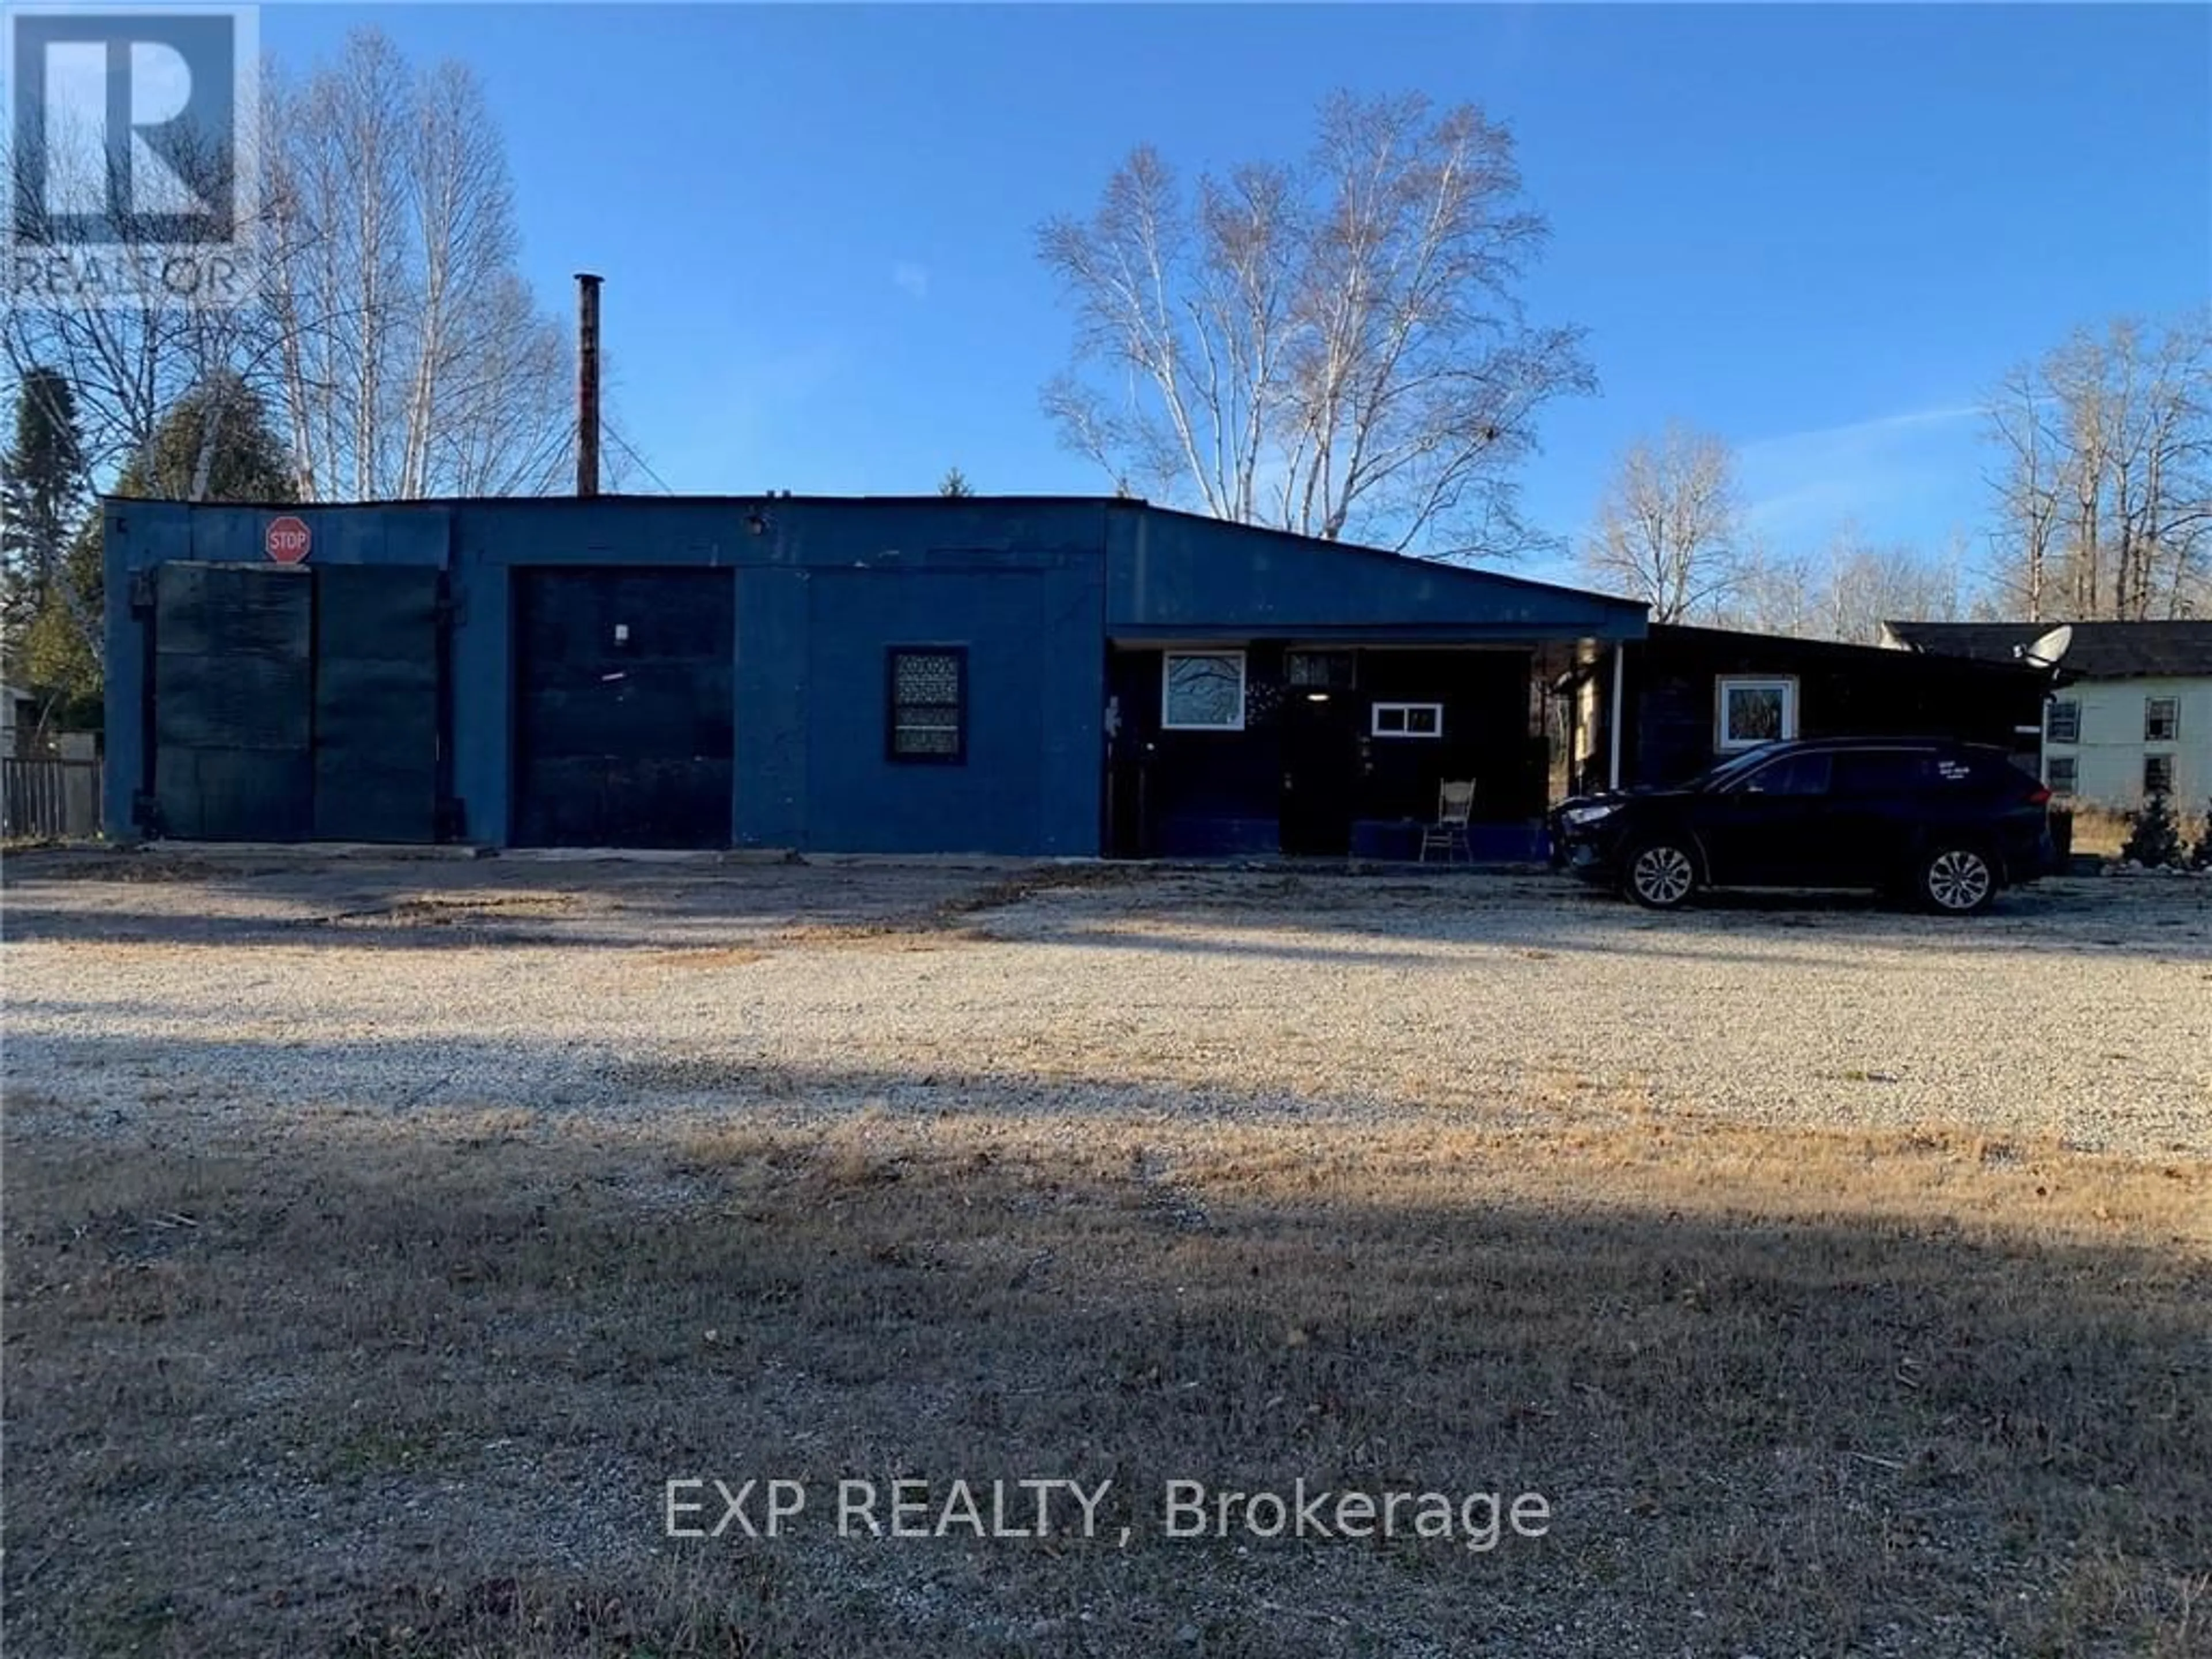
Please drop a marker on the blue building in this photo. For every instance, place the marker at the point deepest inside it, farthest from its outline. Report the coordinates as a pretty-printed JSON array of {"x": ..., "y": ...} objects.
[{"x": 1032, "y": 676}]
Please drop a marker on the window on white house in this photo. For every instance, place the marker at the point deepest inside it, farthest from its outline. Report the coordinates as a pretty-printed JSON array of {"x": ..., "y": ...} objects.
[
  {"x": 2064, "y": 724},
  {"x": 1407, "y": 720},
  {"x": 1202, "y": 691},
  {"x": 2062, "y": 774},
  {"x": 2161, "y": 720},
  {"x": 1754, "y": 711},
  {"x": 2158, "y": 775}
]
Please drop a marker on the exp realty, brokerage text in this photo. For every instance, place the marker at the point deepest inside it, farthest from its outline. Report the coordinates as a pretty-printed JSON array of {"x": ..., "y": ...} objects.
[{"x": 1179, "y": 1510}]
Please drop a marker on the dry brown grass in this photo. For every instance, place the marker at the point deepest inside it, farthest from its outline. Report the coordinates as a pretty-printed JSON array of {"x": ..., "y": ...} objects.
[
  {"x": 2099, "y": 831},
  {"x": 2104, "y": 831},
  {"x": 705, "y": 956},
  {"x": 412, "y": 1388}
]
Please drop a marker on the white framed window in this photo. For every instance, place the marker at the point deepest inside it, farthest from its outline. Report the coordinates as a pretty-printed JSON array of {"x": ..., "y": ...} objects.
[
  {"x": 2063, "y": 721},
  {"x": 2158, "y": 775},
  {"x": 1407, "y": 720},
  {"x": 1750, "y": 711},
  {"x": 2161, "y": 720},
  {"x": 1202, "y": 691},
  {"x": 2062, "y": 773}
]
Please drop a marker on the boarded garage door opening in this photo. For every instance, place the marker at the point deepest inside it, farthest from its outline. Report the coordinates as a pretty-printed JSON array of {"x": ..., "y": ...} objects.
[
  {"x": 624, "y": 688},
  {"x": 291, "y": 703}
]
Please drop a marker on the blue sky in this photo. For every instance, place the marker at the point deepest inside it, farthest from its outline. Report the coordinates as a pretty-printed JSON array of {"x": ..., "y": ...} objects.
[{"x": 1820, "y": 231}]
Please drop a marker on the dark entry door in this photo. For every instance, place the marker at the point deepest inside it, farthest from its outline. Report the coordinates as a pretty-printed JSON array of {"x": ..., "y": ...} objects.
[
  {"x": 624, "y": 686},
  {"x": 233, "y": 692},
  {"x": 1320, "y": 776}
]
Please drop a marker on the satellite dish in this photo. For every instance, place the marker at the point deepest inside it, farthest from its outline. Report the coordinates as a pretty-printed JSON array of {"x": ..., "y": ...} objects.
[{"x": 2046, "y": 649}]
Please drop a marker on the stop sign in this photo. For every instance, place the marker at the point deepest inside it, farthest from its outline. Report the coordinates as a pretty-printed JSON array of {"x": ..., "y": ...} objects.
[{"x": 286, "y": 540}]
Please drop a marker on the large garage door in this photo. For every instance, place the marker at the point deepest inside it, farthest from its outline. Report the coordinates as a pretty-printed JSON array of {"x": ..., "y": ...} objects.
[
  {"x": 624, "y": 682},
  {"x": 233, "y": 698},
  {"x": 293, "y": 703}
]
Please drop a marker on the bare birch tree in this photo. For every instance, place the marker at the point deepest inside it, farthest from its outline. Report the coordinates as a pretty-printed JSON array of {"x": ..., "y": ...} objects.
[
  {"x": 393, "y": 337},
  {"x": 2027, "y": 487},
  {"x": 2105, "y": 487},
  {"x": 1775, "y": 591},
  {"x": 2163, "y": 472},
  {"x": 1864, "y": 586},
  {"x": 1668, "y": 529},
  {"x": 1847, "y": 592},
  {"x": 134, "y": 357},
  {"x": 1335, "y": 347},
  {"x": 419, "y": 362}
]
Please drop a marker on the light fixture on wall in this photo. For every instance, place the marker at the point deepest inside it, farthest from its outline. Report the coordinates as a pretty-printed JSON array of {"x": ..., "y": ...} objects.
[{"x": 1316, "y": 696}]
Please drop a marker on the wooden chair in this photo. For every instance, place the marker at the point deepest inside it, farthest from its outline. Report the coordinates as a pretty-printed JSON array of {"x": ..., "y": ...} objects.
[{"x": 1448, "y": 834}]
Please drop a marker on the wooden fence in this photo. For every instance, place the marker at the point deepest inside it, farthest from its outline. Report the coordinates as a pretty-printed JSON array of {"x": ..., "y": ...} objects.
[{"x": 45, "y": 799}]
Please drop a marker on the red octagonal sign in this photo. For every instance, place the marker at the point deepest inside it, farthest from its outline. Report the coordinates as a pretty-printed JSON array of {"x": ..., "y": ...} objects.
[{"x": 286, "y": 540}]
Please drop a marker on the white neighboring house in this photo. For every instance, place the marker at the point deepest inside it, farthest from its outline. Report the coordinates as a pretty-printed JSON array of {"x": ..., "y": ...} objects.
[{"x": 2135, "y": 718}]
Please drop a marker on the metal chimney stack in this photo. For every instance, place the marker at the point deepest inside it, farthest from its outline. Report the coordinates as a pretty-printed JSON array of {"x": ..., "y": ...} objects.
[{"x": 587, "y": 384}]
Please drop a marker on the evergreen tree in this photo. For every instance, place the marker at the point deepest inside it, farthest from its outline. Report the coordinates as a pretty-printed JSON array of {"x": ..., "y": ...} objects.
[
  {"x": 2200, "y": 856},
  {"x": 60, "y": 653},
  {"x": 42, "y": 502},
  {"x": 2153, "y": 837},
  {"x": 215, "y": 445},
  {"x": 954, "y": 483}
]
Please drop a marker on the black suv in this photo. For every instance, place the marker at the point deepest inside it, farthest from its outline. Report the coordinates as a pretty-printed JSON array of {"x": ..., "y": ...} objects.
[{"x": 1945, "y": 823}]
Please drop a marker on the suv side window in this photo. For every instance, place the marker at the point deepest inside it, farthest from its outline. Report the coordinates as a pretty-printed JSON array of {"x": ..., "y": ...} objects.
[
  {"x": 1884, "y": 771},
  {"x": 1793, "y": 775}
]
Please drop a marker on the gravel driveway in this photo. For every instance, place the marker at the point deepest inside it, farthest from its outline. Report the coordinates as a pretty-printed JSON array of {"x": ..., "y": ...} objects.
[
  {"x": 225, "y": 988},
  {"x": 383, "y": 1236}
]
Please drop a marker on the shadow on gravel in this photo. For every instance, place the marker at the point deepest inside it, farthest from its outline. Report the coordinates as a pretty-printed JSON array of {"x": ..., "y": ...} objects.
[
  {"x": 2163, "y": 919},
  {"x": 379, "y": 1393},
  {"x": 401, "y": 1075},
  {"x": 437, "y": 906}
]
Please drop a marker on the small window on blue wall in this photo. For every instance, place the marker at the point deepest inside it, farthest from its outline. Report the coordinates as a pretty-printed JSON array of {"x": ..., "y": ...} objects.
[{"x": 929, "y": 719}]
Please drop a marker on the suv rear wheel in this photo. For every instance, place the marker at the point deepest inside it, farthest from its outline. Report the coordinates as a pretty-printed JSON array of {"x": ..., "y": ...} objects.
[
  {"x": 1957, "y": 881},
  {"x": 1660, "y": 875}
]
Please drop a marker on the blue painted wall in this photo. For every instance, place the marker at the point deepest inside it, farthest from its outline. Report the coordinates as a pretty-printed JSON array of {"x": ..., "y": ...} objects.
[
  {"x": 1033, "y": 588},
  {"x": 1177, "y": 574},
  {"x": 824, "y": 588}
]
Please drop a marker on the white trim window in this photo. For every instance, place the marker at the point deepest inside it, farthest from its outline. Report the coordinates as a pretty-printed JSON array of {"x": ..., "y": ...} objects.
[
  {"x": 2062, "y": 773},
  {"x": 2161, "y": 720},
  {"x": 1750, "y": 710},
  {"x": 2062, "y": 724},
  {"x": 1406, "y": 720},
  {"x": 1202, "y": 691}
]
